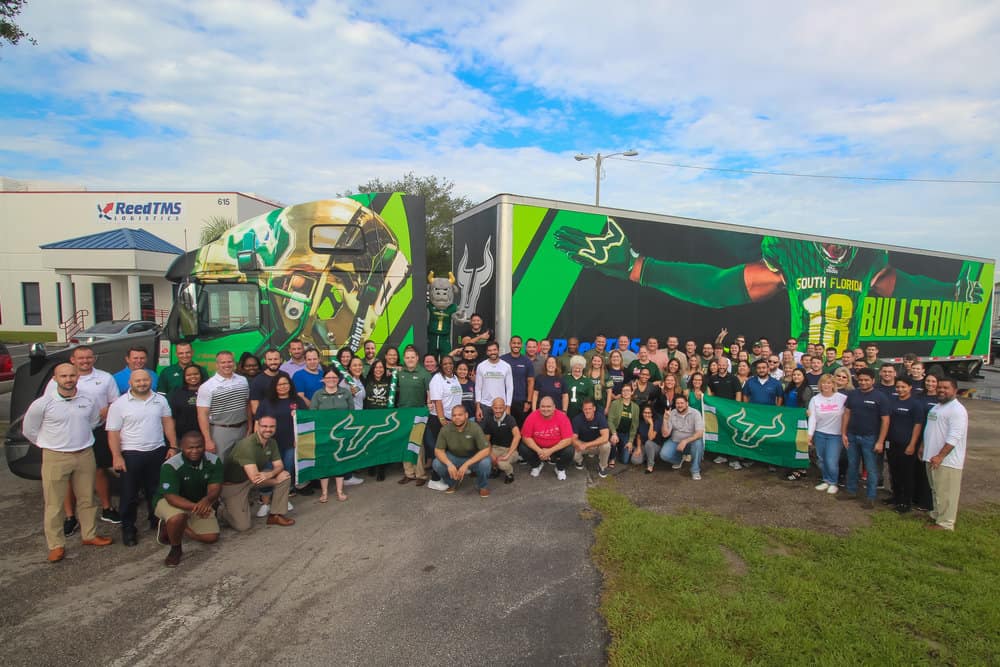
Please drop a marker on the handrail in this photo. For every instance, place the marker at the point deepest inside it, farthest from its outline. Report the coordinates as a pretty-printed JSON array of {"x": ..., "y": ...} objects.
[{"x": 75, "y": 324}]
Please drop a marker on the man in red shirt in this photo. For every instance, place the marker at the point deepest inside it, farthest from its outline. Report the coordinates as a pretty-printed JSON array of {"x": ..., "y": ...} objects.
[{"x": 547, "y": 436}]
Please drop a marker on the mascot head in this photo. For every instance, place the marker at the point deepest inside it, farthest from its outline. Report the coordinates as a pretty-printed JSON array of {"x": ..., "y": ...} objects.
[{"x": 441, "y": 291}]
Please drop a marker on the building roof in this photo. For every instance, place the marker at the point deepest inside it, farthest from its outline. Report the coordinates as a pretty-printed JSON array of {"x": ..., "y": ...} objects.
[{"x": 117, "y": 239}]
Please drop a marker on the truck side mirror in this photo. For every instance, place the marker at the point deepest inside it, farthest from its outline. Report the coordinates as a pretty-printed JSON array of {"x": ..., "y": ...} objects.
[{"x": 37, "y": 351}]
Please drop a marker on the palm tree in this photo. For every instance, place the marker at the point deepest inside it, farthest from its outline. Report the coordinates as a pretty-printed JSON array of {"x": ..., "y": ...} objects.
[{"x": 214, "y": 228}]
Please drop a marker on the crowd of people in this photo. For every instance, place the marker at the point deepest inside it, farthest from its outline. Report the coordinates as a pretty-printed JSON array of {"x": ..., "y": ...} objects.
[{"x": 198, "y": 447}]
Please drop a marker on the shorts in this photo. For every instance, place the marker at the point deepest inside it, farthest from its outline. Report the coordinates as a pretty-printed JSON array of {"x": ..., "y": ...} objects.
[
  {"x": 201, "y": 526},
  {"x": 102, "y": 451}
]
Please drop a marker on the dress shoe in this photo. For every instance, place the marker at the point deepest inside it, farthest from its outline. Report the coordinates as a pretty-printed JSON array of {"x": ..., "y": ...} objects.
[
  {"x": 421, "y": 481},
  {"x": 57, "y": 554},
  {"x": 173, "y": 558},
  {"x": 406, "y": 480},
  {"x": 279, "y": 520},
  {"x": 130, "y": 539},
  {"x": 98, "y": 541},
  {"x": 484, "y": 493}
]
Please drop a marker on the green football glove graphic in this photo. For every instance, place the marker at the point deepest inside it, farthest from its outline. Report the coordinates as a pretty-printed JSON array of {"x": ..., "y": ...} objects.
[
  {"x": 608, "y": 252},
  {"x": 968, "y": 290}
]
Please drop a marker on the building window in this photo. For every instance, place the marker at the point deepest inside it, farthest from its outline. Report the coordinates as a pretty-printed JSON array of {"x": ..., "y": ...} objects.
[
  {"x": 32, "y": 299},
  {"x": 59, "y": 309}
]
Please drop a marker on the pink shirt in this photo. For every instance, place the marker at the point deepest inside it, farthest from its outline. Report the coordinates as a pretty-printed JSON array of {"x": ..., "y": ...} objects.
[{"x": 547, "y": 432}]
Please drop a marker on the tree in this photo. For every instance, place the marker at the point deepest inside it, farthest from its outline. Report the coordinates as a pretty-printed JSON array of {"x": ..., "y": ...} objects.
[
  {"x": 441, "y": 207},
  {"x": 214, "y": 228},
  {"x": 10, "y": 31}
]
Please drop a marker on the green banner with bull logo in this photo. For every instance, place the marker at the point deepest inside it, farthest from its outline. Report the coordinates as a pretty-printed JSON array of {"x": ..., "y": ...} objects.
[
  {"x": 766, "y": 433},
  {"x": 330, "y": 443}
]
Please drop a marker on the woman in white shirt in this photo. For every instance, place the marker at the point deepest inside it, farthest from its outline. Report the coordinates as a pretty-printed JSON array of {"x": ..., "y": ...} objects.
[{"x": 825, "y": 411}]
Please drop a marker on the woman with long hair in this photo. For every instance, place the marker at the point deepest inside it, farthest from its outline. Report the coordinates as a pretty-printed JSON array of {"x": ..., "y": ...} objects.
[
  {"x": 463, "y": 371},
  {"x": 663, "y": 400},
  {"x": 282, "y": 402},
  {"x": 390, "y": 356},
  {"x": 798, "y": 392},
  {"x": 649, "y": 439},
  {"x": 355, "y": 381},
  {"x": 615, "y": 371},
  {"x": 696, "y": 391},
  {"x": 550, "y": 384},
  {"x": 183, "y": 402},
  {"x": 379, "y": 395},
  {"x": 602, "y": 386},
  {"x": 825, "y": 412}
]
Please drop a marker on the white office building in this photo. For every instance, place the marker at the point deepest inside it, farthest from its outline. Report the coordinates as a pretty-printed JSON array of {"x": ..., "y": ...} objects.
[{"x": 76, "y": 255}]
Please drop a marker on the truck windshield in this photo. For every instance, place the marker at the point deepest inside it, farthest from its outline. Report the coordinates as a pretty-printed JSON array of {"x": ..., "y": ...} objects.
[{"x": 224, "y": 308}]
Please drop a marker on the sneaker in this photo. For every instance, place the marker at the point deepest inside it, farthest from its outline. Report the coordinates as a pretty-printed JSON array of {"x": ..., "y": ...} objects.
[
  {"x": 677, "y": 466},
  {"x": 70, "y": 525},
  {"x": 353, "y": 481},
  {"x": 868, "y": 504},
  {"x": 290, "y": 506},
  {"x": 509, "y": 479},
  {"x": 822, "y": 486},
  {"x": 435, "y": 485},
  {"x": 696, "y": 476},
  {"x": 720, "y": 459},
  {"x": 903, "y": 509},
  {"x": 561, "y": 475},
  {"x": 263, "y": 510},
  {"x": 735, "y": 465},
  {"x": 578, "y": 466},
  {"x": 687, "y": 458},
  {"x": 451, "y": 489},
  {"x": 833, "y": 489},
  {"x": 111, "y": 515},
  {"x": 748, "y": 464},
  {"x": 536, "y": 471},
  {"x": 603, "y": 472},
  {"x": 889, "y": 501}
]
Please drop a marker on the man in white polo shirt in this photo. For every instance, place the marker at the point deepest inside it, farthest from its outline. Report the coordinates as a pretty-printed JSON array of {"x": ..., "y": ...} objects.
[
  {"x": 224, "y": 407},
  {"x": 944, "y": 453},
  {"x": 62, "y": 424},
  {"x": 137, "y": 423},
  {"x": 100, "y": 387}
]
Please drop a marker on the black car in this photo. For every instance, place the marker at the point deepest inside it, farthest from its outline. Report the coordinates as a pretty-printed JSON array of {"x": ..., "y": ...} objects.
[{"x": 995, "y": 345}]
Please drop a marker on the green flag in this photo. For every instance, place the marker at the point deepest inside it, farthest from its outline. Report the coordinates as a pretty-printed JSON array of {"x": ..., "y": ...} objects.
[
  {"x": 330, "y": 443},
  {"x": 766, "y": 433}
]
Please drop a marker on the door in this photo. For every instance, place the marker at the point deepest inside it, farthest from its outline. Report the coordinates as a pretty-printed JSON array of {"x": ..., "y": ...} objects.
[
  {"x": 103, "y": 308},
  {"x": 147, "y": 302}
]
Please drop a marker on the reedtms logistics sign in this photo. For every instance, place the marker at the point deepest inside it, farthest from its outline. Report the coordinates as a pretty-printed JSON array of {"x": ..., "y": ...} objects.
[{"x": 150, "y": 211}]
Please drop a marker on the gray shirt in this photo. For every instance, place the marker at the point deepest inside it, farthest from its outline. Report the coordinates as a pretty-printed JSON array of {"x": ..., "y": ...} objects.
[{"x": 685, "y": 425}]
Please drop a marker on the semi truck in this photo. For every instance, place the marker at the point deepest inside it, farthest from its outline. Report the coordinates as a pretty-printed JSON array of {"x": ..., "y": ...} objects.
[
  {"x": 542, "y": 268},
  {"x": 332, "y": 273}
]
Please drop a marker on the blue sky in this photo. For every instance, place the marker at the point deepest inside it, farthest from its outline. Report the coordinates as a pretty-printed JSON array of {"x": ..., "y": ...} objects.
[{"x": 298, "y": 100}]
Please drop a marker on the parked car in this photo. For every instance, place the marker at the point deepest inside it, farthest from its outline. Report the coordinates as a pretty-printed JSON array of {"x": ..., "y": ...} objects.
[
  {"x": 995, "y": 345},
  {"x": 6, "y": 364},
  {"x": 113, "y": 329}
]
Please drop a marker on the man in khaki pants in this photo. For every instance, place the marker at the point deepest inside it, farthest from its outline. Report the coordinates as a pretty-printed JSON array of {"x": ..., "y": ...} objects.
[
  {"x": 62, "y": 424},
  {"x": 504, "y": 436},
  {"x": 252, "y": 462}
]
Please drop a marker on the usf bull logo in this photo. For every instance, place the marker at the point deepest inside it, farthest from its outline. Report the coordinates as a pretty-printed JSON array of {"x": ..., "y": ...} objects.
[
  {"x": 352, "y": 441},
  {"x": 750, "y": 434},
  {"x": 472, "y": 281}
]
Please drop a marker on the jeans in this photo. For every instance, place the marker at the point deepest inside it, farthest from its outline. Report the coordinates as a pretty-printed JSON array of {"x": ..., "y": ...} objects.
[
  {"x": 652, "y": 450},
  {"x": 142, "y": 472},
  {"x": 562, "y": 458},
  {"x": 828, "y": 449},
  {"x": 861, "y": 447},
  {"x": 481, "y": 468},
  {"x": 288, "y": 460},
  {"x": 696, "y": 449},
  {"x": 622, "y": 452}
]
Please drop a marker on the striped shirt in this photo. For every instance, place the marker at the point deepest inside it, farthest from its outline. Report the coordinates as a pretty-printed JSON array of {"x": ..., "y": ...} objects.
[
  {"x": 61, "y": 424},
  {"x": 225, "y": 398}
]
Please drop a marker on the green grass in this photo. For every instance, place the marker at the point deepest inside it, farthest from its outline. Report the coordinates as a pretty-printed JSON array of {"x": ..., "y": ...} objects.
[
  {"x": 697, "y": 589},
  {"x": 27, "y": 336}
]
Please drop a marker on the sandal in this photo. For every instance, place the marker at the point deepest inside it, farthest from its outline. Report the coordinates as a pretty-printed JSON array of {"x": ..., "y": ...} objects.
[
  {"x": 795, "y": 475},
  {"x": 324, "y": 498},
  {"x": 342, "y": 497},
  {"x": 611, "y": 463}
]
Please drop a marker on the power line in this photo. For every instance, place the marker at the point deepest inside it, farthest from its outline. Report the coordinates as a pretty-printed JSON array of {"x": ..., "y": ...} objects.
[{"x": 826, "y": 176}]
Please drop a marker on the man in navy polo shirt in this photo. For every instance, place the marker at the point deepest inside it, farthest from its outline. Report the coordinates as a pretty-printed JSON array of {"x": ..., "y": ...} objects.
[
  {"x": 523, "y": 372},
  {"x": 865, "y": 426},
  {"x": 906, "y": 423},
  {"x": 763, "y": 389}
]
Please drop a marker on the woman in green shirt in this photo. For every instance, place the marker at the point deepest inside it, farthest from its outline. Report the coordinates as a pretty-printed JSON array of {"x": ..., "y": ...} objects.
[
  {"x": 623, "y": 422},
  {"x": 333, "y": 396}
]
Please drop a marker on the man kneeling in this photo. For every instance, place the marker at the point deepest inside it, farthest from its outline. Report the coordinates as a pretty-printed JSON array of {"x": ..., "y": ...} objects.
[
  {"x": 255, "y": 462},
  {"x": 190, "y": 483},
  {"x": 590, "y": 437},
  {"x": 461, "y": 447},
  {"x": 684, "y": 429}
]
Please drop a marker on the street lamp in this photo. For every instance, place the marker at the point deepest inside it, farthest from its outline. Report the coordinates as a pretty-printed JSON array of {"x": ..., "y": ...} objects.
[{"x": 598, "y": 159}]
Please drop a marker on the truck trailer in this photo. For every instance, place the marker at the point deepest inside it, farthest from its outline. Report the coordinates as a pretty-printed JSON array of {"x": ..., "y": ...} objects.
[{"x": 542, "y": 268}]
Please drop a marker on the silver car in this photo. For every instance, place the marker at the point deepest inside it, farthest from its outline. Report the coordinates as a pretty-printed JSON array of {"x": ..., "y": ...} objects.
[{"x": 113, "y": 329}]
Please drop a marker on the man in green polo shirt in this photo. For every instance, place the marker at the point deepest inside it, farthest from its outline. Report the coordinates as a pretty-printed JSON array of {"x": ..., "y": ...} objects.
[
  {"x": 255, "y": 462},
  {"x": 461, "y": 447},
  {"x": 412, "y": 384},
  {"x": 190, "y": 483},
  {"x": 172, "y": 377}
]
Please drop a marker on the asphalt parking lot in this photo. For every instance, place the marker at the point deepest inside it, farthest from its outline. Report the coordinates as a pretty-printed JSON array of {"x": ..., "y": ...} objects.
[{"x": 395, "y": 575}]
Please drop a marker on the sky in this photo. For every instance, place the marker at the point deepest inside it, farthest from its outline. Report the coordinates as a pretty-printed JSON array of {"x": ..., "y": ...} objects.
[{"x": 298, "y": 100}]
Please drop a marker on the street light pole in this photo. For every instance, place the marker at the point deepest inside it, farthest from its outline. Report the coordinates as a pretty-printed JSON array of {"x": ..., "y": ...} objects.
[{"x": 598, "y": 160}]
